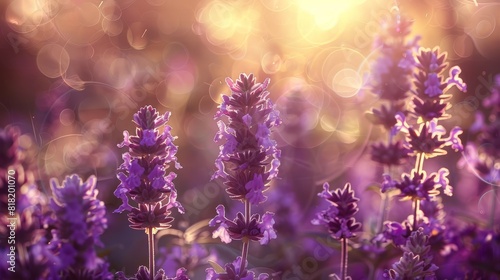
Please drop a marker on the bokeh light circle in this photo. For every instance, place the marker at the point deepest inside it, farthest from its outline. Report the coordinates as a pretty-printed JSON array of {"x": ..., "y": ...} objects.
[
  {"x": 347, "y": 82},
  {"x": 52, "y": 60},
  {"x": 271, "y": 63}
]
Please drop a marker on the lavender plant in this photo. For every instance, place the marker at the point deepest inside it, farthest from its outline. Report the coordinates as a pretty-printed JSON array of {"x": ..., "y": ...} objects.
[
  {"x": 483, "y": 156},
  {"x": 24, "y": 225},
  {"x": 391, "y": 82},
  {"x": 339, "y": 219},
  {"x": 416, "y": 262},
  {"x": 429, "y": 103},
  {"x": 144, "y": 180},
  {"x": 79, "y": 221},
  {"x": 248, "y": 160}
]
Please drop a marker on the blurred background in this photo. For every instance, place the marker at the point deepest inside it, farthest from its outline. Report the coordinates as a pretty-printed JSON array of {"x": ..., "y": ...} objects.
[{"x": 73, "y": 72}]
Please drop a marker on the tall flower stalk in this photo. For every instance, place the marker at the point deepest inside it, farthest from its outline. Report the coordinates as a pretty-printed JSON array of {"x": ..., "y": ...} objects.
[
  {"x": 144, "y": 179},
  {"x": 429, "y": 104},
  {"x": 248, "y": 160},
  {"x": 391, "y": 82},
  {"x": 339, "y": 219}
]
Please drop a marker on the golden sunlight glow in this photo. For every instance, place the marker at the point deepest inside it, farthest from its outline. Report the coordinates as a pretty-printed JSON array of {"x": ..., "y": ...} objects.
[
  {"x": 227, "y": 25},
  {"x": 326, "y": 13}
]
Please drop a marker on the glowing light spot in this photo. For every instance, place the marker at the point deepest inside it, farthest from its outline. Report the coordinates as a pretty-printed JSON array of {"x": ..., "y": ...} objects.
[
  {"x": 206, "y": 105},
  {"x": 271, "y": 63},
  {"x": 52, "y": 60},
  {"x": 347, "y": 82},
  {"x": 216, "y": 89},
  {"x": 112, "y": 28},
  {"x": 277, "y": 5},
  {"x": 67, "y": 117},
  {"x": 463, "y": 46},
  {"x": 135, "y": 36},
  {"x": 89, "y": 14},
  {"x": 24, "y": 16},
  {"x": 328, "y": 124},
  {"x": 339, "y": 74},
  {"x": 348, "y": 132},
  {"x": 227, "y": 25},
  {"x": 110, "y": 10},
  {"x": 484, "y": 28}
]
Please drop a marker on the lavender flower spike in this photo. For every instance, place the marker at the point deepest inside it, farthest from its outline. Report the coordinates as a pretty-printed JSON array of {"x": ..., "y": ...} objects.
[
  {"x": 249, "y": 159},
  {"x": 339, "y": 217},
  {"x": 416, "y": 262},
  {"x": 143, "y": 176},
  {"x": 79, "y": 222}
]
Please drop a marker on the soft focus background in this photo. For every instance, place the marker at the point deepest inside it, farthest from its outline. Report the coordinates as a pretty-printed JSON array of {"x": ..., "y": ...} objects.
[{"x": 73, "y": 72}]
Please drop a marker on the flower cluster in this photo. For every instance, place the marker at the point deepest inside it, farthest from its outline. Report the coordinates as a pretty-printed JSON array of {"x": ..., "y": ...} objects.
[
  {"x": 38, "y": 261},
  {"x": 143, "y": 274},
  {"x": 339, "y": 217},
  {"x": 430, "y": 139},
  {"x": 79, "y": 222},
  {"x": 248, "y": 160},
  {"x": 391, "y": 82},
  {"x": 143, "y": 179},
  {"x": 258, "y": 229},
  {"x": 484, "y": 155},
  {"x": 143, "y": 175},
  {"x": 416, "y": 262}
]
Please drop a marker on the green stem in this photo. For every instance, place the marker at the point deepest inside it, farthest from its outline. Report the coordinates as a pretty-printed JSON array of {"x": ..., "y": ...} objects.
[
  {"x": 246, "y": 242},
  {"x": 493, "y": 206},
  {"x": 343, "y": 259}
]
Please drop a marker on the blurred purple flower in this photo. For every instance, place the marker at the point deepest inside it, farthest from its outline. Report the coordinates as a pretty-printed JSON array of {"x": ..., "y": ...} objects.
[
  {"x": 143, "y": 274},
  {"x": 8, "y": 146},
  {"x": 79, "y": 222},
  {"x": 231, "y": 271},
  {"x": 390, "y": 154},
  {"x": 392, "y": 70}
]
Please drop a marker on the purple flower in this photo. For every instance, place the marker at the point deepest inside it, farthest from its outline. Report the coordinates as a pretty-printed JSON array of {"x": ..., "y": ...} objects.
[
  {"x": 386, "y": 115},
  {"x": 417, "y": 186},
  {"x": 338, "y": 217},
  {"x": 390, "y": 154},
  {"x": 231, "y": 271},
  {"x": 79, "y": 222},
  {"x": 255, "y": 229},
  {"x": 143, "y": 176},
  {"x": 430, "y": 89},
  {"x": 392, "y": 70},
  {"x": 396, "y": 232},
  {"x": 426, "y": 142},
  {"x": 416, "y": 262},
  {"x": 248, "y": 158},
  {"x": 143, "y": 274},
  {"x": 8, "y": 146}
]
